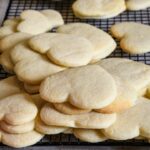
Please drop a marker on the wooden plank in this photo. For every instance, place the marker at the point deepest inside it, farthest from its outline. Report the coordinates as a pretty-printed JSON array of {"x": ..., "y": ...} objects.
[{"x": 3, "y": 8}]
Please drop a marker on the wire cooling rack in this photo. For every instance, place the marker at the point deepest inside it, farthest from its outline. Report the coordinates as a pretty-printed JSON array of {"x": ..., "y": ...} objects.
[{"x": 64, "y": 7}]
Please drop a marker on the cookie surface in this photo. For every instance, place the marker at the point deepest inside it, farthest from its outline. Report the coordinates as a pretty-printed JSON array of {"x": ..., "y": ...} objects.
[
  {"x": 88, "y": 87},
  {"x": 134, "y": 37},
  {"x": 131, "y": 123},
  {"x": 136, "y": 74},
  {"x": 89, "y": 135},
  {"x": 63, "y": 49},
  {"x": 26, "y": 62},
  {"x": 45, "y": 20},
  {"x": 69, "y": 109},
  {"x": 126, "y": 98},
  {"x": 98, "y": 9},
  {"x": 31, "y": 89},
  {"x": 91, "y": 120},
  {"x": 137, "y": 4},
  {"x": 103, "y": 43}
]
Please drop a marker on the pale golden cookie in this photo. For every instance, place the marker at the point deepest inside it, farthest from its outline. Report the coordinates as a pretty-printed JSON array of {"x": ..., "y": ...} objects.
[
  {"x": 31, "y": 89},
  {"x": 87, "y": 87},
  {"x": 131, "y": 123},
  {"x": 134, "y": 37},
  {"x": 17, "y": 109},
  {"x": 69, "y": 109},
  {"x": 36, "y": 22},
  {"x": 98, "y": 9},
  {"x": 10, "y": 86},
  {"x": 63, "y": 49},
  {"x": 31, "y": 67},
  {"x": 89, "y": 135},
  {"x": 91, "y": 120},
  {"x": 103, "y": 43}
]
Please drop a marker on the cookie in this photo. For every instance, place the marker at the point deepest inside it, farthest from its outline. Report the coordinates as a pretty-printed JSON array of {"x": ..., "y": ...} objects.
[
  {"x": 10, "y": 86},
  {"x": 89, "y": 135},
  {"x": 31, "y": 89},
  {"x": 63, "y": 49},
  {"x": 17, "y": 109},
  {"x": 20, "y": 140},
  {"x": 31, "y": 67},
  {"x": 136, "y": 74},
  {"x": 98, "y": 9},
  {"x": 11, "y": 129},
  {"x": 126, "y": 98},
  {"x": 41, "y": 127},
  {"x": 9, "y": 27},
  {"x": 137, "y": 4},
  {"x": 134, "y": 37},
  {"x": 45, "y": 20},
  {"x": 69, "y": 109},
  {"x": 131, "y": 123},
  {"x": 6, "y": 61},
  {"x": 91, "y": 120},
  {"x": 87, "y": 87},
  {"x": 103, "y": 43},
  {"x": 8, "y": 42}
]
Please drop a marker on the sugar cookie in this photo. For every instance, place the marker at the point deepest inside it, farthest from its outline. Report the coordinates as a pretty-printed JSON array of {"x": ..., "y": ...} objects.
[
  {"x": 136, "y": 74},
  {"x": 10, "y": 86},
  {"x": 91, "y": 120},
  {"x": 63, "y": 49},
  {"x": 134, "y": 37},
  {"x": 31, "y": 67},
  {"x": 98, "y": 9},
  {"x": 17, "y": 109},
  {"x": 36, "y": 22},
  {"x": 103, "y": 43},
  {"x": 89, "y": 135},
  {"x": 69, "y": 109},
  {"x": 87, "y": 87},
  {"x": 131, "y": 123}
]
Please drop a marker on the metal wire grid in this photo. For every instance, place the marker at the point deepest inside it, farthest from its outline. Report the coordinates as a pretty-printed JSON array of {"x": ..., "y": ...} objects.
[{"x": 64, "y": 7}]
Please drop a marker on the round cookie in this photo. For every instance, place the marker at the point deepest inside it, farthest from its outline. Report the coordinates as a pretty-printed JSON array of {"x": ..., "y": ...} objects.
[
  {"x": 87, "y": 87},
  {"x": 103, "y": 43},
  {"x": 98, "y": 9}
]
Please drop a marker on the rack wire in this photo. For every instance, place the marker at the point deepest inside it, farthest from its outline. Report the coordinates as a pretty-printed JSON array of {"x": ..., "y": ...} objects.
[{"x": 64, "y": 7}]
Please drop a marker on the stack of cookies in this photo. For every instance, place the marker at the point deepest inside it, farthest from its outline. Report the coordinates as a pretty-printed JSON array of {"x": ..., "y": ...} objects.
[{"x": 63, "y": 82}]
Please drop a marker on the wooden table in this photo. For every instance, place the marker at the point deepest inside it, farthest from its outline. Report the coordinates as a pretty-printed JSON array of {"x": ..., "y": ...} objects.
[{"x": 3, "y": 9}]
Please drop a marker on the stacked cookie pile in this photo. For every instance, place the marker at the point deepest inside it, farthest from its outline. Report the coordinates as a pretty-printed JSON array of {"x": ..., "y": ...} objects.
[
  {"x": 63, "y": 84},
  {"x": 103, "y": 9}
]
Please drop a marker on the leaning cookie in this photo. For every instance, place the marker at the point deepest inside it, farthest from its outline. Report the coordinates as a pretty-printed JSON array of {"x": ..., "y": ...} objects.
[
  {"x": 89, "y": 135},
  {"x": 131, "y": 123},
  {"x": 134, "y": 37},
  {"x": 137, "y": 4},
  {"x": 103, "y": 43},
  {"x": 93, "y": 9}
]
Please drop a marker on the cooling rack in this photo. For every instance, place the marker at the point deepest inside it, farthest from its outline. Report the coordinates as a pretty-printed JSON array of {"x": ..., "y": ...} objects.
[{"x": 64, "y": 7}]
